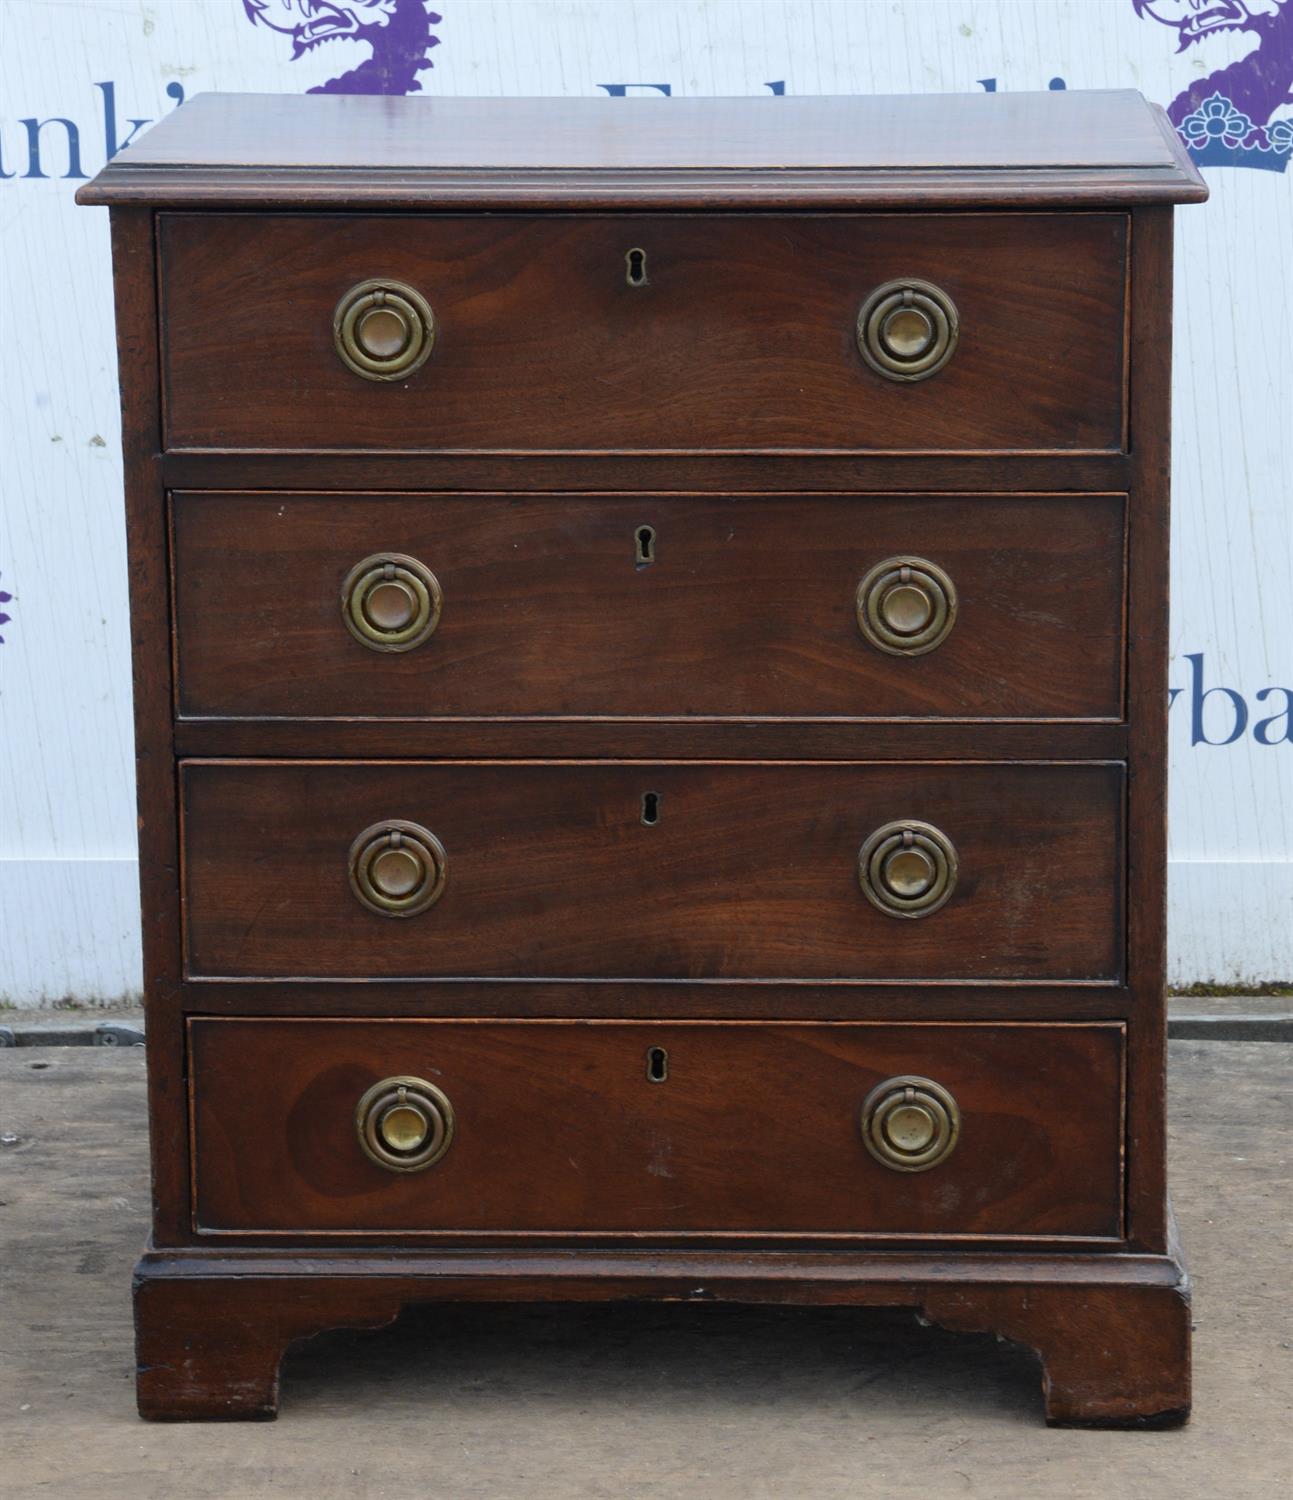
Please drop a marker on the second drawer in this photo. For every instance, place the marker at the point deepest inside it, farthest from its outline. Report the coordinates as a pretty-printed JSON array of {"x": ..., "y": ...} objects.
[
  {"x": 653, "y": 870},
  {"x": 434, "y": 606}
]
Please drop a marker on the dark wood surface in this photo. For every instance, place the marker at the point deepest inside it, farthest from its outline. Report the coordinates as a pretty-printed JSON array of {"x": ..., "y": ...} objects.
[
  {"x": 1148, "y": 604},
  {"x": 1112, "y": 1331},
  {"x": 1087, "y": 128},
  {"x": 685, "y": 738},
  {"x": 610, "y": 473},
  {"x": 755, "y": 1130},
  {"x": 744, "y": 337},
  {"x": 750, "y": 872},
  {"x": 133, "y": 247},
  {"x": 668, "y": 999},
  {"x": 730, "y": 386},
  {"x": 1001, "y": 148},
  {"x": 748, "y": 608}
]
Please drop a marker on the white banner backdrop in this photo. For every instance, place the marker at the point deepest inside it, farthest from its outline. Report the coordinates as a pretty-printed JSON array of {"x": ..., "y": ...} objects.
[{"x": 79, "y": 77}]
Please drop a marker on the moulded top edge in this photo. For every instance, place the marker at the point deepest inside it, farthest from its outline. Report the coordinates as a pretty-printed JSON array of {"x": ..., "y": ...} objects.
[{"x": 1109, "y": 146}]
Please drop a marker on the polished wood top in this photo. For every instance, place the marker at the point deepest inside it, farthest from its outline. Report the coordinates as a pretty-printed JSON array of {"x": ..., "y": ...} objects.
[{"x": 1107, "y": 146}]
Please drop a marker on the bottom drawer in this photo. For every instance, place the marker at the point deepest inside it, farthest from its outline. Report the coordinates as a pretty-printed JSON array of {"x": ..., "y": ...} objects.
[
  {"x": 695, "y": 1128},
  {"x": 655, "y": 1127}
]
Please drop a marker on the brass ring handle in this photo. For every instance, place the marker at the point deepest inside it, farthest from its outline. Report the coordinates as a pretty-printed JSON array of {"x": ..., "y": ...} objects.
[
  {"x": 404, "y": 1124},
  {"x": 383, "y": 330},
  {"x": 910, "y": 1124},
  {"x": 906, "y": 606},
  {"x": 908, "y": 868},
  {"x": 391, "y": 602},
  {"x": 907, "y": 330},
  {"x": 397, "y": 869}
]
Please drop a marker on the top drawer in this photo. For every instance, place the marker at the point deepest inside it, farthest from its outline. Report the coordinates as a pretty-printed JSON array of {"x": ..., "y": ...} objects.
[{"x": 646, "y": 332}]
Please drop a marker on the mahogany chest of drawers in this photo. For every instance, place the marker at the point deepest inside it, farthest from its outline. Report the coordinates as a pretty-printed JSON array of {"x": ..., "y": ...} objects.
[{"x": 650, "y": 650}]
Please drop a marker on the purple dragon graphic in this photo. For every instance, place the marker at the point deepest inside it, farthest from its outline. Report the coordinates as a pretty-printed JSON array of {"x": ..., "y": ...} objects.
[
  {"x": 397, "y": 31},
  {"x": 1227, "y": 118}
]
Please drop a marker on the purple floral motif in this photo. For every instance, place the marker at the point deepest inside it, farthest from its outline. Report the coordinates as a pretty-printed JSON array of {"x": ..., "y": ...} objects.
[
  {"x": 1228, "y": 118},
  {"x": 1216, "y": 119},
  {"x": 398, "y": 33},
  {"x": 4, "y": 618}
]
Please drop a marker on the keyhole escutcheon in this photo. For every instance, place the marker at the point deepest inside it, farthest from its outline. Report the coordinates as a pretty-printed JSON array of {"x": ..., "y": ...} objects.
[
  {"x": 644, "y": 546},
  {"x": 635, "y": 267},
  {"x": 657, "y": 1064}
]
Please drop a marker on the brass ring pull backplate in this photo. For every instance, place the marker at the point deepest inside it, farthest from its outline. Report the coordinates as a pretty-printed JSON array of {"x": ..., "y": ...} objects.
[
  {"x": 906, "y": 606},
  {"x": 397, "y": 869},
  {"x": 910, "y": 1124},
  {"x": 908, "y": 868},
  {"x": 383, "y": 330},
  {"x": 907, "y": 330},
  {"x": 404, "y": 1124},
  {"x": 391, "y": 602}
]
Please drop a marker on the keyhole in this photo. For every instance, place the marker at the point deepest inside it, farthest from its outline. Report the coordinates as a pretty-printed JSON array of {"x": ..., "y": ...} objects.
[
  {"x": 657, "y": 1069},
  {"x": 636, "y": 272},
  {"x": 644, "y": 543},
  {"x": 650, "y": 809}
]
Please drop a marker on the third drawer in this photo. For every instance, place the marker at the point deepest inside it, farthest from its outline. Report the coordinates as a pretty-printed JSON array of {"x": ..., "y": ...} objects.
[{"x": 656, "y": 870}]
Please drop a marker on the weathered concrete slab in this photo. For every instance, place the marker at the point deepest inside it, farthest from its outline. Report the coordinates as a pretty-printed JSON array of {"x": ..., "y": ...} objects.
[{"x": 657, "y": 1402}]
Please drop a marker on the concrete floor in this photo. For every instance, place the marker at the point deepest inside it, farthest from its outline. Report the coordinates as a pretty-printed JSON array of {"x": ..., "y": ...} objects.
[{"x": 622, "y": 1402}]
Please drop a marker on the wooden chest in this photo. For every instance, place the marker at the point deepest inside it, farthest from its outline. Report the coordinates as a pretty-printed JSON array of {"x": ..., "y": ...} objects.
[{"x": 650, "y": 646}]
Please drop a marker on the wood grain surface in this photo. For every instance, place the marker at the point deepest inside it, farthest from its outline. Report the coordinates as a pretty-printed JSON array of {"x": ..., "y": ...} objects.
[
  {"x": 700, "y": 846},
  {"x": 1091, "y": 128},
  {"x": 744, "y": 336},
  {"x": 754, "y": 1130},
  {"x": 859, "y": 147},
  {"x": 746, "y": 609},
  {"x": 749, "y": 872}
]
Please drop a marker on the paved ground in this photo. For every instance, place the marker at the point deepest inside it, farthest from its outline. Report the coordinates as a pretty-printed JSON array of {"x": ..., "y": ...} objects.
[{"x": 621, "y": 1403}]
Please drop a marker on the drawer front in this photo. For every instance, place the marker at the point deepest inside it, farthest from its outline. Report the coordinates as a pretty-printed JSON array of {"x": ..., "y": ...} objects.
[
  {"x": 754, "y": 1128},
  {"x": 652, "y": 606},
  {"x": 670, "y": 871},
  {"x": 741, "y": 334}
]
